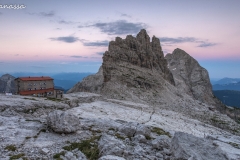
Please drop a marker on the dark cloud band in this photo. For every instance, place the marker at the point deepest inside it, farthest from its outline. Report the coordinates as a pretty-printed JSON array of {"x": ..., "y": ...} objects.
[
  {"x": 68, "y": 39},
  {"x": 169, "y": 41},
  {"x": 119, "y": 27}
]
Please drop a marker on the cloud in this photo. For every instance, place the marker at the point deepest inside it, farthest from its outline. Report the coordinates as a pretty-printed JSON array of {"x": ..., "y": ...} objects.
[
  {"x": 43, "y": 14},
  {"x": 119, "y": 27},
  {"x": 75, "y": 56},
  {"x": 58, "y": 28},
  {"x": 47, "y": 14},
  {"x": 126, "y": 15},
  {"x": 167, "y": 41},
  {"x": 67, "y": 39},
  {"x": 65, "y": 22},
  {"x": 207, "y": 44},
  {"x": 96, "y": 43},
  {"x": 178, "y": 40},
  {"x": 100, "y": 53},
  {"x": 16, "y": 55},
  {"x": 1, "y": 13}
]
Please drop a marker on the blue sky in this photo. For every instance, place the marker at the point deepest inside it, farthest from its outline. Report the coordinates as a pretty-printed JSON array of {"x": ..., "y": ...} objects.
[{"x": 71, "y": 36}]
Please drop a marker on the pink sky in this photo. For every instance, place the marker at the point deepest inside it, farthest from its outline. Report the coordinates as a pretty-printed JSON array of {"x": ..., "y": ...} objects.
[{"x": 79, "y": 31}]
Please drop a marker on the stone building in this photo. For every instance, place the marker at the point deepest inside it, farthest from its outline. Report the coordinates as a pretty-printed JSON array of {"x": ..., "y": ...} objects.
[{"x": 35, "y": 86}]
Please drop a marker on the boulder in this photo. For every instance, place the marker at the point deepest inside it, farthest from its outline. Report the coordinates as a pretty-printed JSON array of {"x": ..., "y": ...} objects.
[
  {"x": 161, "y": 142},
  {"x": 109, "y": 145},
  {"x": 132, "y": 128},
  {"x": 62, "y": 122},
  {"x": 186, "y": 146},
  {"x": 111, "y": 157}
]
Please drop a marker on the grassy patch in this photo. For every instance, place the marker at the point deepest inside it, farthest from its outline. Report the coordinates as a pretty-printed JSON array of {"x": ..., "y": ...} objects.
[
  {"x": 30, "y": 99},
  {"x": 119, "y": 136},
  {"x": 17, "y": 156},
  {"x": 11, "y": 148},
  {"x": 57, "y": 156},
  {"x": 160, "y": 131},
  {"x": 140, "y": 77},
  {"x": 89, "y": 147},
  {"x": 54, "y": 99},
  {"x": 111, "y": 129},
  {"x": 216, "y": 120},
  {"x": 148, "y": 137},
  {"x": 235, "y": 145}
]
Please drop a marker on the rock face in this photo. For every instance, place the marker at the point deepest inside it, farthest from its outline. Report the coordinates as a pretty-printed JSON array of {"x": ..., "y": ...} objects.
[
  {"x": 139, "y": 52},
  {"x": 7, "y": 84},
  {"x": 133, "y": 68},
  {"x": 62, "y": 122},
  {"x": 186, "y": 146},
  {"x": 92, "y": 83},
  {"x": 189, "y": 76}
]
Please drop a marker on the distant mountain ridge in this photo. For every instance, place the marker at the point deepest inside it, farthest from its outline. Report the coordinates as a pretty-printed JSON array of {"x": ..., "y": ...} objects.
[
  {"x": 7, "y": 84},
  {"x": 231, "y": 86},
  {"x": 226, "y": 81}
]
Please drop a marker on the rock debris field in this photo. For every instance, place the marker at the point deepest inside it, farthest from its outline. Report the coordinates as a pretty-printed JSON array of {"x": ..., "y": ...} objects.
[{"x": 88, "y": 126}]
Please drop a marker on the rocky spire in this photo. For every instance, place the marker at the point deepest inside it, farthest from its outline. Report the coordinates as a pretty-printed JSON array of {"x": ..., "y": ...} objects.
[{"x": 139, "y": 52}]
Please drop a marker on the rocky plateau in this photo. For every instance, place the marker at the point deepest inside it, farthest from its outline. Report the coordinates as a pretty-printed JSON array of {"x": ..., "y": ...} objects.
[{"x": 139, "y": 106}]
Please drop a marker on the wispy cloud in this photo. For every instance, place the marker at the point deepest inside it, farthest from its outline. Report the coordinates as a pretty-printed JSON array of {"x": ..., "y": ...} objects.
[
  {"x": 67, "y": 39},
  {"x": 95, "y": 43},
  {"x": 206, "y": 44},
  {"x": 47, "y": 14},
  {"x": 100, "y": 53},
  {"x": 119, "y": 27},
  {"x": 65, "y": 22},
  {"x": 44, "y": 14},
  {"x": 126, "y": 15},
  {"x": 178, "y": 40},
  {"x": 72, "y": 39},
  {"x": 75, "y": 56},
  {"x": 168, "y": 41}
]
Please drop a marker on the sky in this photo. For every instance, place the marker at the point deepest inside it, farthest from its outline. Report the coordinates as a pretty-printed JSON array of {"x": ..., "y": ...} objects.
[{"x": 71, "y": 36}]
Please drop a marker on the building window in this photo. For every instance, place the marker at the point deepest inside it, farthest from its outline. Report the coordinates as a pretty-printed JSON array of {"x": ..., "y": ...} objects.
[{"x": 35, "y": 88}]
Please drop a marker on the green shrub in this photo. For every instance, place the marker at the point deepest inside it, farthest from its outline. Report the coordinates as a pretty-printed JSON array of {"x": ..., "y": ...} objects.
[
  {"x": 89, "y": 147},
  {"x": 17, "y": 156},
  {"x": 160, "y": 131},
  {"x": 11, "y": 148},
  {"x": 57, "y": 156}
]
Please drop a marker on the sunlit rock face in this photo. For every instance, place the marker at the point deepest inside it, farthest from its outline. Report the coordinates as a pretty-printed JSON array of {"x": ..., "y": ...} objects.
[
  {"x": 124, "y": 55},
  {"x": 189, "y": 76}
]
